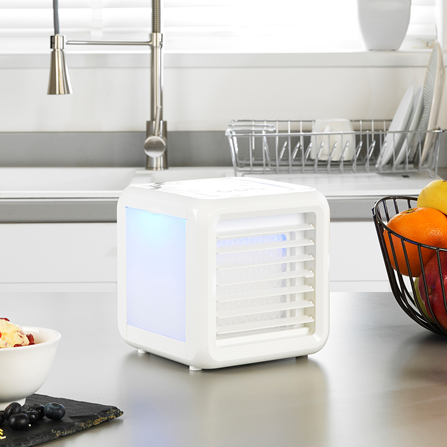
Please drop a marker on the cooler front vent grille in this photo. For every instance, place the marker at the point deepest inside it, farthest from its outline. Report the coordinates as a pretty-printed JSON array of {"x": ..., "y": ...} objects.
[{"x": 265, "y": 281}]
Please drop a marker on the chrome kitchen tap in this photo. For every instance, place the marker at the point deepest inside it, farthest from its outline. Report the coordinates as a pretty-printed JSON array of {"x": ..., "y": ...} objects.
[{"x": 155, "y": 145}]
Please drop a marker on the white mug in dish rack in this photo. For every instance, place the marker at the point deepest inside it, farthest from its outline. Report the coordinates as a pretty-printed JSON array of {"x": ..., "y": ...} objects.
[{"x": 333, "y": 137}]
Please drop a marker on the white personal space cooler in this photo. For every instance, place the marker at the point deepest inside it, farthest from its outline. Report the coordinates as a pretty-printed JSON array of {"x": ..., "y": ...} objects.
[{"x": 221, "y": 272}]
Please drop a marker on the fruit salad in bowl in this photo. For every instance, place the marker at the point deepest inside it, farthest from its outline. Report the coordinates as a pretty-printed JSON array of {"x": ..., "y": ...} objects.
[
  {"x": 24, "y": 349},
  {"x": 12, "y": 336}
]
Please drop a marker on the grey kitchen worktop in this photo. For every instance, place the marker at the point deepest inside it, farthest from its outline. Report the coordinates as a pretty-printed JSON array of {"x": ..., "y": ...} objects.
[
  {"x": 52, "y": 198},
  {"x": 381, "y": 380}
]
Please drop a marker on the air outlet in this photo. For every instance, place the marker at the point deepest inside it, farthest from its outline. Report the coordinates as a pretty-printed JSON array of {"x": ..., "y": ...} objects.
[{"x": 265, "y": 279}]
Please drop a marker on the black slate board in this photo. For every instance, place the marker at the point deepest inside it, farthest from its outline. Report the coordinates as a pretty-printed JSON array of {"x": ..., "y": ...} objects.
[{"x": 79, "y": 416}]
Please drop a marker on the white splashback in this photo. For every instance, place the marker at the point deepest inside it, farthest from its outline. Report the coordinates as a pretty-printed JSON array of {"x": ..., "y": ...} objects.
[{"x": 202, "y": 98}]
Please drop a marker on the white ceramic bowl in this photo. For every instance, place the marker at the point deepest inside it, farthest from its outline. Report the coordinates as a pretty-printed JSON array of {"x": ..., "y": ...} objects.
[{"x": 24, "y": 369}]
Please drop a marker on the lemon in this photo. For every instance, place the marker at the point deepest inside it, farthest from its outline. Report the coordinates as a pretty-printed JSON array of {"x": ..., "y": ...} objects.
[{"x": 434, "y": 195}]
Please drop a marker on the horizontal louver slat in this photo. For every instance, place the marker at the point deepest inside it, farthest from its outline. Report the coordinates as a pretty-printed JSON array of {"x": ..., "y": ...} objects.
[
  {"x": 265, "y": 246},
  {"x": 302, "y": 304},
  {"x": 266, "y": 324},
  {"x": 278, "y": 276},
  {"x": 265, "y": 293},
  {"x": 264, "y": 232},
  {"x": 283, "y": 260}
]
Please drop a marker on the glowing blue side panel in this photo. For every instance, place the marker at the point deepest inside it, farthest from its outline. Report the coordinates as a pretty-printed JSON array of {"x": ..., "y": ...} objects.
[{"x": 155, "y": 269}]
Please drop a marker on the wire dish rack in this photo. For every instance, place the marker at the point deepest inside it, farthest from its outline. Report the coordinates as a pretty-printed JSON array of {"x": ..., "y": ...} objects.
[
  {"x": 405, "y": 288},
  {"x": 288, "y": 146}
]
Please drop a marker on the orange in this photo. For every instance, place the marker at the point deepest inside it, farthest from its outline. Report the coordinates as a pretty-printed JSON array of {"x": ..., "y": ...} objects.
[{"x": 421, "y": 224}]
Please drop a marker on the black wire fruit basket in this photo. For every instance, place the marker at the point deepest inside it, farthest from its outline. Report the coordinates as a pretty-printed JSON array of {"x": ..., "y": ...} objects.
[{"x": 410, "y": 284}]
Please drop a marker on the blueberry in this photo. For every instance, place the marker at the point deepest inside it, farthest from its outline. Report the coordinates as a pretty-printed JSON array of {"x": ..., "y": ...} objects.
[
  {"x": 11, "y": 409},
  {"x": 39, "y": 408},
  {"x": 19, "y": 421},
  {"x": 54, "y": 411},
  {"x": 33, "y": 416}
]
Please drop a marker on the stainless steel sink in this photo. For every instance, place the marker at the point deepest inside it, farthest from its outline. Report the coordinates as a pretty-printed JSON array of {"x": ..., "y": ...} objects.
[
  {"x": 90, "y": 182},
  {"x": 64, "y": 182}
]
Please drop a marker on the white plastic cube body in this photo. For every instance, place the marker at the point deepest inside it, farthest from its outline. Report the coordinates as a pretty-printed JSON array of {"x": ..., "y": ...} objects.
[{"x": 221, "y": 272}]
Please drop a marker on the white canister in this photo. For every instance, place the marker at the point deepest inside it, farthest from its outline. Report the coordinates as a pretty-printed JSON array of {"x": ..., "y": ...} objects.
[{"x": 383, "y": 23}]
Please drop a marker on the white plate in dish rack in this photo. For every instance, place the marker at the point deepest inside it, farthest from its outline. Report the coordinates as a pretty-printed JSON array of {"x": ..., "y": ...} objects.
[
  {"x": 433, "y": 87},
  {"x": 393, "y": 140},
  {"x": 418, "y": 108}
]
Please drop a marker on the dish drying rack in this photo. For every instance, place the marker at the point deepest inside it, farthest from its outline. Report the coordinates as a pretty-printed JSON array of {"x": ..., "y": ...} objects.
[{"x": 291, "y": 146}]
